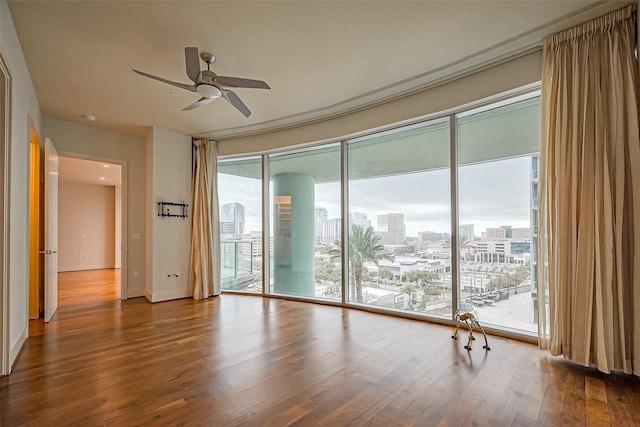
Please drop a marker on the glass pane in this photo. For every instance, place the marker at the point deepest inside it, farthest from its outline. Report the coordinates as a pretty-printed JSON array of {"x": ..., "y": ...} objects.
[
  {"x": 497, "y": 188},
  {"x": 240, "y": 197},
  {"x": 400, "y": 219},
  {"x": 305, "y": 223}
]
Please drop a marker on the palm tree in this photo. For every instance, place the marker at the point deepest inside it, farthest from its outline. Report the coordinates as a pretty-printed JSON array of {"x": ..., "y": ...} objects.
[
  {"x": 364, "y": 246},
  {"x": 463, "y": 242}
]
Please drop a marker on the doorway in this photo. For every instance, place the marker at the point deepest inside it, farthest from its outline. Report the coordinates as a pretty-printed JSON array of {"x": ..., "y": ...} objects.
[
  {"x": 90, "y": 231},
  {"x": 36, "y": 302}
]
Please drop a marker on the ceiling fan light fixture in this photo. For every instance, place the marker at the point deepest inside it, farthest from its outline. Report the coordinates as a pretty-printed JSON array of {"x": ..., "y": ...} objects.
[{"x": 209, "y": 91}]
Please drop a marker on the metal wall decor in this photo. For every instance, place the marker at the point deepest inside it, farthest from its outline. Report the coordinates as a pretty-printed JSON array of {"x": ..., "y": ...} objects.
[{"x": 173, "y": 210}]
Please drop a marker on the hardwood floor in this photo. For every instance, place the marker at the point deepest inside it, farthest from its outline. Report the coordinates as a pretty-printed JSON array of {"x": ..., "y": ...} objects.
[{"x": 245, "y": 360}]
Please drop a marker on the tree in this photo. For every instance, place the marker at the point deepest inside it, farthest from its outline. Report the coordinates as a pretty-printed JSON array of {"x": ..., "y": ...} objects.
[
  {"x": 411, "y": 276},
  {"x": 324, "y": 270},
  {"x": 364, "y": 246},
  {"x": 385, "y": 274},
  {"x": 463, "y": 242},
  {"x": 407, "y": 289},
  {"x": 408, "y": 249},
  {"x": 422, "y": 276}
]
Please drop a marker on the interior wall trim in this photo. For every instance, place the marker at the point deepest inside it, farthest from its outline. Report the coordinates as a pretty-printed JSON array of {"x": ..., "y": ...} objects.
[{"x": 5, "y": 145}]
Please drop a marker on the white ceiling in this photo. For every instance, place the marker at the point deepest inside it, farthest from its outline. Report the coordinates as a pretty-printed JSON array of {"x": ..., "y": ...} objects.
[
  {"x": 88, "y": 172},
  {"x": 320, "y": 58}
]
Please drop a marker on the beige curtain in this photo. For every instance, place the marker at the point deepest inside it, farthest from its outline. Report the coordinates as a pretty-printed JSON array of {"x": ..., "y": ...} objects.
[
  {"x": 205, "y": 236},
  {"x": 589, "y": 215}
]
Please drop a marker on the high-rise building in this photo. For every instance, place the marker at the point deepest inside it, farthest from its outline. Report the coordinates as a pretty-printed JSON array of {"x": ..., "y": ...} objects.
[
  {"x": 502, "y": 232},
  {"x": 331, "y": 230},
  {"x": 359, "y": 219},
  {"x": 391, "y": 228},
  {"x": 432, "y": 236},
  {"x": 321, "y": 216},
  {"x": 252, "y": 244},
  {"x": 232, "y": 219},
  {"x": 467, "y": 230},
  {"x": 521, "y": 233}
]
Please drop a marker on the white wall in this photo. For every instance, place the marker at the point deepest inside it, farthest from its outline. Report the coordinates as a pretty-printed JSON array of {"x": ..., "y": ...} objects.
[
  {"x": 86, "y": 226},
  {"x": 24, "y": 106},
  {"x": 168, "y": 176},
  {"x": 74, "y": 138},
  {"x": 501, "y": 78}
]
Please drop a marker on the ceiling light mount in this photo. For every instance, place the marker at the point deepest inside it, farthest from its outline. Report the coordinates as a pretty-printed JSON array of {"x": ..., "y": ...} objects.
[{"x": 207, "y": 57}]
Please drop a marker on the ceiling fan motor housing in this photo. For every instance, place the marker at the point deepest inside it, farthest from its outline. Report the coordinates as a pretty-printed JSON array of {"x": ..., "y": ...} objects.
[{"x": 208, "y": 76}]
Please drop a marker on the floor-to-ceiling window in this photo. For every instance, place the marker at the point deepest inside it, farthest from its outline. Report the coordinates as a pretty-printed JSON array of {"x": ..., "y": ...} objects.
[
  {"x": 240, "y": 198},
  {"x": 305, "y": 223},
  {"x": 498, "y": 147},
  {"x": 400, "y": 219},
  {"x": 394, "y": 204}
]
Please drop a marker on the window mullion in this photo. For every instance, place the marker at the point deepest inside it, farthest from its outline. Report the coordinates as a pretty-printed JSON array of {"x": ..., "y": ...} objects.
[
  {"x": 455, "y": 251},
  {"x": 266, "y": 228},
  {"x": 344, "y": 201}
]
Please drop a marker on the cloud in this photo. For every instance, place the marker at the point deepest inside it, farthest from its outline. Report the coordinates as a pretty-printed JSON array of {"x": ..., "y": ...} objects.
[{"x": 490, "y": 195}]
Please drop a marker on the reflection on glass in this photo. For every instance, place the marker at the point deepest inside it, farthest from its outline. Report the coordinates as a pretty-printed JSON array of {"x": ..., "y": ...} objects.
[
  {"x": 399, "y": 220},
  {"x": 497, "y": 181},
  {"x": 240, "y": 195},
  {"x": 305, "y": 223}
]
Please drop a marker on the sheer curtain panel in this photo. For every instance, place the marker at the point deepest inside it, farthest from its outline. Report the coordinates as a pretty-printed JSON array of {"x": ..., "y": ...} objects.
[
  {"x": 589, "y": 216},
  {"x": 205, "y": 236}
]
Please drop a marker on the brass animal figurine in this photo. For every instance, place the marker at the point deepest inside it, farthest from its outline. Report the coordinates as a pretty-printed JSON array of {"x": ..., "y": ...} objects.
[{"x": 471, "y": 321}]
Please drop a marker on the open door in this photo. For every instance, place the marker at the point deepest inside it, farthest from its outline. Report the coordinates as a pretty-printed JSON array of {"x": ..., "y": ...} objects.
[{"x": 50, "y": 230}]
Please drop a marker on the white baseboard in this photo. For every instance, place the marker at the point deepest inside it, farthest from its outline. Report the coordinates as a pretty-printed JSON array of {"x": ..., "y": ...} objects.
[
  {"x": 85, "y": 267},
  {"x": 136, "y": 292},
  {"x": 168, "y": 295}
]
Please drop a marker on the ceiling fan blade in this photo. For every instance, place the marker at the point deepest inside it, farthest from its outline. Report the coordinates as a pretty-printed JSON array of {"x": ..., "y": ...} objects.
[
  {"x": 236, "y": 102},
  {"x": 238, "y": 82},
  {"x": 198, "y": 103},
  {"x": 192, "y": 60},
  {"x": 169, "y": 82}
]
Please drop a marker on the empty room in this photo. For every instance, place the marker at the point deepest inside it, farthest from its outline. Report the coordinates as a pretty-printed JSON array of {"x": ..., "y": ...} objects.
[{"x": 319, "y": 213}]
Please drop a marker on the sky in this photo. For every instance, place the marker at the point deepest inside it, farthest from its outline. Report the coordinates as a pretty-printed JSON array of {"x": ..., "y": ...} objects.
[{"x": 490, "y": 195}]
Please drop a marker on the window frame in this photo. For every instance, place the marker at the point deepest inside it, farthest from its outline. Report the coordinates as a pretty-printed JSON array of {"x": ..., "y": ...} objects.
[{"x": 451, "y": 116}]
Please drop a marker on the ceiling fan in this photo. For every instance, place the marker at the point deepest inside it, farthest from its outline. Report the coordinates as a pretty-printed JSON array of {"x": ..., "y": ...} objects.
[{"x": 208, "y": 84}]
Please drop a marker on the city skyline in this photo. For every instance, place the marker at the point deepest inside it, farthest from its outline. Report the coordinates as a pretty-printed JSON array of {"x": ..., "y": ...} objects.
[{"x": 491, "y": 194}]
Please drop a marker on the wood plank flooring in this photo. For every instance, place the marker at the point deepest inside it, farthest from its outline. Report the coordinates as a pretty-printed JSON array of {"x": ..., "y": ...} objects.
[{"x": 245, "y": 360}]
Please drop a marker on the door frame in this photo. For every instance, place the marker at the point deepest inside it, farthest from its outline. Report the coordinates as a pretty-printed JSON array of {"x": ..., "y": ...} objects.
[
  {"x": 35, "y": 228},
  {"x": 123, "y": 210},
  {"x": 5, "y": 148}
]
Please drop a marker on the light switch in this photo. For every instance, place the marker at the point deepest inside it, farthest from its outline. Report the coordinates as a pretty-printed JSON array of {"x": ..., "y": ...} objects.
[{"x": 135, "y": 236}]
